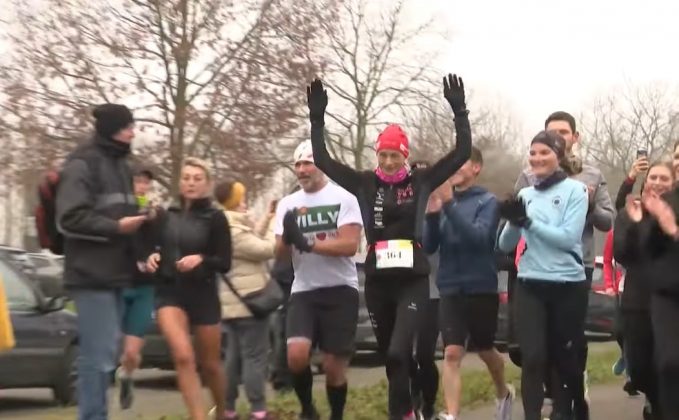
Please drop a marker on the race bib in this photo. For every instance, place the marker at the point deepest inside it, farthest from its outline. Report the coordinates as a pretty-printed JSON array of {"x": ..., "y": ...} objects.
[{"x": 394, "y": 254}]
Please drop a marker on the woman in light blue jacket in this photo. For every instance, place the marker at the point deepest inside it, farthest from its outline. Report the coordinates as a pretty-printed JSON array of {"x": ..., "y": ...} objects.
[{"x": 551, "y": 277}]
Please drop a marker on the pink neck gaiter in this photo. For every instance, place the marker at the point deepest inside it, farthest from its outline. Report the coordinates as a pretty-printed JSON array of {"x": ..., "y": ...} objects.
[{"x": 392, "y": 179}]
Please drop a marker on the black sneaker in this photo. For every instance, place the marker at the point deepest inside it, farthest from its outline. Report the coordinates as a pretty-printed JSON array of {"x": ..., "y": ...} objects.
[
  {"x": 581, "y": 411},
  {"x": 126, "y": 392},
  {"x": 630, "y": 389},
  {"x": 310, "y": 416}
]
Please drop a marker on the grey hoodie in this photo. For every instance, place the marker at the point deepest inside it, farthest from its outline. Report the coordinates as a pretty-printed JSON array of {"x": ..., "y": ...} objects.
[{"x": 600, "y": 214}]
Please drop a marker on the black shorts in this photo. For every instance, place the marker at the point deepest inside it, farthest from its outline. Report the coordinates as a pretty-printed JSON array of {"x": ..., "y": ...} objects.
[
  {"x": 469, "y": 317},
  {"x": 199, "y": 299},
  {"x": 327, "y": 317}
]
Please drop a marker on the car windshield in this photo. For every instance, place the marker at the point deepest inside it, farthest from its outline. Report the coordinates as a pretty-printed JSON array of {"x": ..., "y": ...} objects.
[
  {"x": 19, "y": 294},
  {"x": 40, "y": 262}
]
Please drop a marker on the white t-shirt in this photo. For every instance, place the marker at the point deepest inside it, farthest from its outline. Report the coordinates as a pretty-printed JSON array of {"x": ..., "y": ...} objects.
[{"x": 320, "y": 214}]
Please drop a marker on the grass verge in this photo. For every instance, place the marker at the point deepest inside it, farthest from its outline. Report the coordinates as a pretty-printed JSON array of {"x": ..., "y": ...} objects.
[{"x": 370, "y": 403}]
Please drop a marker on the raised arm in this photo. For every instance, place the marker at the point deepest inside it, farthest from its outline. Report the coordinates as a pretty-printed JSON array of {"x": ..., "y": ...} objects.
[
  {"x": 625, "y": 189},
  {"x": 348, "y": 178},
  {"x": 453, "y": 90},
  {"x": 640, "y": 165}
]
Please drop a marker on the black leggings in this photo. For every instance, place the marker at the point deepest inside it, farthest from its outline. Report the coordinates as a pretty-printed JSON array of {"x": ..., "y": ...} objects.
[
  {"x": 425, "y": 374},
  {"x": 393, "y": 304},
  {"x": 550, "y": 321},
  {"x": 639, "y": 354},
  {"x": 664, "y": 315}
]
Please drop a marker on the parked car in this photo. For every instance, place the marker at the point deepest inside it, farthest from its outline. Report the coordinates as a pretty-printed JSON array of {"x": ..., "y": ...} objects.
[
  {"x": 46, "y": 338},
  {"x": 18, "y": 257},
  {"x": 156, "y": 353},
  {"x": 49, "y": 273},
  {"x": 599, "y": 323}
]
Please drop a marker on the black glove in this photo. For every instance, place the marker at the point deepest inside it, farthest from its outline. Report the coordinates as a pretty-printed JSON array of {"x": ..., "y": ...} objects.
[
  {"x": 293, "y": 235},
  {"x": 317, "y": 99},
  {"x": 514, "y": 210},
  {"x": 453, "y": 91}
]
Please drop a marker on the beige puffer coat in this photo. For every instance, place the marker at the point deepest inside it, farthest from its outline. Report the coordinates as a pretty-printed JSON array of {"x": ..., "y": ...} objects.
[{"x": 252, "y": 246}]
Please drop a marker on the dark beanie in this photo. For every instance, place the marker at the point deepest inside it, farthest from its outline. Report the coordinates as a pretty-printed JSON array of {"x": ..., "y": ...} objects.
[
  {"x": 140, "y": 170},
  {"x": 111, "y": 118},
  {"x": 553, "y": 140}
]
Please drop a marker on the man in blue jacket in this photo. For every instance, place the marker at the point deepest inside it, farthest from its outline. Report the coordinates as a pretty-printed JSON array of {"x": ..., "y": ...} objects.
[{"x": 462, "y": 220}]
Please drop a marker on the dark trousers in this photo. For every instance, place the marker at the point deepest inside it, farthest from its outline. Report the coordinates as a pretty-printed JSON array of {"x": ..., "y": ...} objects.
[
  {"x": 394, "y": 304},
  {"x": 664, "y": 316},
  {"x": 550, "y": 322},
  {"x": 280, "y": 375}
]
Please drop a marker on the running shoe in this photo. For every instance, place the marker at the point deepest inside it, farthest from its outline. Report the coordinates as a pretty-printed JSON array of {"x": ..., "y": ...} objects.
[
  {"x": 630, "y": 389},
  {"x": 310, "y": 416},
  {"x": 126, "y": 385},
  {"x": 228, "y": 415},
  {"x": 619, "y": 367},
  {"x": 503, "y": 407}
]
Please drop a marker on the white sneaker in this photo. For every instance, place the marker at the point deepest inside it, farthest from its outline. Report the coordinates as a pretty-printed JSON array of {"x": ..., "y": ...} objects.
[
  {"x": 445, "y": 416},
  {"x": 503, "y": 407}
]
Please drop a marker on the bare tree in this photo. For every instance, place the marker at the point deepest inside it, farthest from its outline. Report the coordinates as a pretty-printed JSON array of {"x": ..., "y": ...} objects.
[
  {"x": 494, "y": 131},
  {"x": 619, "y": 123},
  {"x": 378, "y": 62},
  {"x": 211, "y": 78}
]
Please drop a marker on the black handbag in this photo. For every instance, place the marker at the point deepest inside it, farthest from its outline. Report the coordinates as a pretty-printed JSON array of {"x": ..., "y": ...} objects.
[{"x": 260, "y": 302}]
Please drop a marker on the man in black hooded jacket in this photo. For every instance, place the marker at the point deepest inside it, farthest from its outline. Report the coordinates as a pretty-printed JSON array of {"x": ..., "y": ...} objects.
[{"x": 97, "y": 214}]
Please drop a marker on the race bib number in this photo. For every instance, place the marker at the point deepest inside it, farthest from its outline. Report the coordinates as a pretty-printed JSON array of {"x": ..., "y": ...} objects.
[{"x": 394, "y": 254}]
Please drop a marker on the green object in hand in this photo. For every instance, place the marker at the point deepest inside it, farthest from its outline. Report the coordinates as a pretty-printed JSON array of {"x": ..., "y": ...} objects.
[{"x": 142, "y": 201}]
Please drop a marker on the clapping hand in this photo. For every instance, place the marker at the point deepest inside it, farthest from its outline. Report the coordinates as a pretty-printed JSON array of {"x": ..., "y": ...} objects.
[
  {"x": 293, "y": 235},
  {"x": 663, "y": 213},
  {"x": 514, "y": 210},
  {"x": 633, "y": 208}
]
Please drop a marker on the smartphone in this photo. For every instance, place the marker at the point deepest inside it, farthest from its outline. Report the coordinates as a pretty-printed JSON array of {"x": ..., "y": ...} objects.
[{"x": 642, "y": 153}]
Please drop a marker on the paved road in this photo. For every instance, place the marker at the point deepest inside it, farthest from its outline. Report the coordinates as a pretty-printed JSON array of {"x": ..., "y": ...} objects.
[
  {"x": 607, "y": 402},
  {"x": 156, "y": 393}
]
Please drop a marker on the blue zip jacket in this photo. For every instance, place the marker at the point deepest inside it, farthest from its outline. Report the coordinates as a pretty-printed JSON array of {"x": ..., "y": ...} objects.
[
  {"x": 464, "y": 234},
  {"x": 554, "y": 238}
]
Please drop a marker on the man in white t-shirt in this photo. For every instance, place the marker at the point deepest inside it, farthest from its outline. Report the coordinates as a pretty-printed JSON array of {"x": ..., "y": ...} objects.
[{"x": 321, "y": 226}]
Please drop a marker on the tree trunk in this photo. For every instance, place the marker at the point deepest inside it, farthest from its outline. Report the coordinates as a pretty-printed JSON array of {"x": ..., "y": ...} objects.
[{"x": 8, "y": 237}]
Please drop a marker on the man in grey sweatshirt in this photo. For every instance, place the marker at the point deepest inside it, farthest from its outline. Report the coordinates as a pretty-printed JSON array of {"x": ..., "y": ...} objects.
[{"x": 600, "y": 214}]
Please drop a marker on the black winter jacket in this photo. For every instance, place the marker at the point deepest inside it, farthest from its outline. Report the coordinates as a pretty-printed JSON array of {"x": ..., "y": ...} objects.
[
  {"x": 664, "y": 252},
  {"x": 201, "y": 229},
  {"x": 89, "y": 204}
]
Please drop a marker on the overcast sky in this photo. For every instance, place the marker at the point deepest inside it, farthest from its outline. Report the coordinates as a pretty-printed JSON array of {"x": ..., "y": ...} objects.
[{"x": 544, "y": 55}]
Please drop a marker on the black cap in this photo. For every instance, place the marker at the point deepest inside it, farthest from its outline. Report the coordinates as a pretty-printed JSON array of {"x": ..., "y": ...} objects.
[
  {"x": 143, "y": 171},
  {"x": 111, "y": 118},
  {"x": 553, "y": 140}
]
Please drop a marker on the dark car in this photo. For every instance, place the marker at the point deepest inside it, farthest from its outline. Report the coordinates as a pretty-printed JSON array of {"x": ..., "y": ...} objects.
[
  {"x": 156, "y": 353},
  {"x": 599, "y": 322},
  {"x": 46, "y": 339},
  {"x": 365, "y": 338}
]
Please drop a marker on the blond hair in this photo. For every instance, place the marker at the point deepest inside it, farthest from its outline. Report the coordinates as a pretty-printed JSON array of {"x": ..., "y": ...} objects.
[{"x": 198, "y": 163}]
